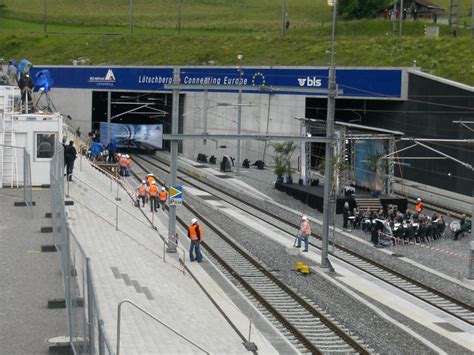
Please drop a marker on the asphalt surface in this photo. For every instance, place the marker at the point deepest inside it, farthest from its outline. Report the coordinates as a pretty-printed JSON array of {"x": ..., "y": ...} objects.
[{"x": 28, "y": 278}]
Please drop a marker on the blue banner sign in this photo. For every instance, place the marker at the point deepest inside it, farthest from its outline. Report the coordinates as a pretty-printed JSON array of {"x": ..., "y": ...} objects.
[{"x": 376, "y": 83}]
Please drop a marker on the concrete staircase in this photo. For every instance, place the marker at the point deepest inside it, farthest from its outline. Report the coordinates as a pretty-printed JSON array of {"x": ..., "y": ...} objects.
[{"x": 363, "y": 203}]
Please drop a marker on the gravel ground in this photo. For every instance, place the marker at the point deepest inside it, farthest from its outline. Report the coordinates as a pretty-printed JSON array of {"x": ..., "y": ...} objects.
[
  {"x": 361, "y": 320},
  {"x": 455, "y": 266},
  {"x": 380, "y": 335},
  {"x": 263, "y": 180}
]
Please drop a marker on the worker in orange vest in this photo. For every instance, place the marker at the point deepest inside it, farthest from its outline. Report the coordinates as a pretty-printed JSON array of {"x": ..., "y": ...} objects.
[
  {"x": 129, "y": 165},
  {"x": 153, "y": 192},
  {"x": 123, "y": 165},
  {"x": 142, "y": 193},
  {"x": 163, "y": 196},
  {"x": 150, "y": 178},
  {"x": 195, "y": 234},
  {"x": 419, "y": 205},
  {"x": 304, "y": 233}
]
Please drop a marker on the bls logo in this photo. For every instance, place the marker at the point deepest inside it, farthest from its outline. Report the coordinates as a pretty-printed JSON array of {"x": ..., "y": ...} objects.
[{"x": 309, "y": 81}]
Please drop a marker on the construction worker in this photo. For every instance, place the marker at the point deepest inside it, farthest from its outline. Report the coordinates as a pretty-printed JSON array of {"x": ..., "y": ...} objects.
[
  {"x": 129, "y": 165},
  {"x": 163, "y": 196},
  {"x": 195, "y": 234},
  {"x": 142, "y": 193},
  {"x": 150, "y": 178},
  {"x": 419, "y": 205},
  {"x": 123, "y": 164},
  {"x": 153, "y": 192},
  {"x": 304, "y": 233}
]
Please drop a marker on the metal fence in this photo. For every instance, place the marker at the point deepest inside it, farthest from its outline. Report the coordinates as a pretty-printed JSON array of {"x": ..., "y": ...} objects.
[
  {"x": 86, "y": 328},
  {"x": 21, "y": 155}
]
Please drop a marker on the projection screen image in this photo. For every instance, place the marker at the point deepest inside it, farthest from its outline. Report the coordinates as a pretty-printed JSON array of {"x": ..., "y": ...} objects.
[
  {"x": 142, "y": 136},
  {"x": 364, "y": 150}
]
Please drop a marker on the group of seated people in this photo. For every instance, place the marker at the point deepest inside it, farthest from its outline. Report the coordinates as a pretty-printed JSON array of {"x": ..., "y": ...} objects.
[{"x": 397, "y": 226}]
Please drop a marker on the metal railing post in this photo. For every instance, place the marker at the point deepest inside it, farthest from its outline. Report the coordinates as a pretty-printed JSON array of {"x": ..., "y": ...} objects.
[
  {"x": 101, "y": 337},
  {"x": 90, "y": 307},
  {"x": 117, "y": 197},
  {"x": 250, "y": 328},
  {"x": 116, "y": 217},
  {"x": 24, "y": 177},
  {"x": 68, "y": 177}
]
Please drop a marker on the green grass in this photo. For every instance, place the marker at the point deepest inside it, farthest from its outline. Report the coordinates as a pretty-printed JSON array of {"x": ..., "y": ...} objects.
[{"x": 218, "y": 30}]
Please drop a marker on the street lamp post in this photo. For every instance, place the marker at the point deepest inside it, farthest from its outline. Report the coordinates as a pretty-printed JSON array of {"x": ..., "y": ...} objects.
[
  {"x": 180, "y": 12},
  {"x": 283, "y": 18},
  {"x": 131, "y": 18},
  {"x": 328, "y": 169},
  {"x": 239, "y": 116}
]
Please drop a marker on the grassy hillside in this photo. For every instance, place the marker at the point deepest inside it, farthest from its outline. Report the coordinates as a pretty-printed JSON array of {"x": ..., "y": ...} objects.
[{"x": 218, "y": 30}]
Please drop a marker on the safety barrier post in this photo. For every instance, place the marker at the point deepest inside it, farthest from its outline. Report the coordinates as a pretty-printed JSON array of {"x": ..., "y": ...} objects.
[{"x": 110, "y": 185}]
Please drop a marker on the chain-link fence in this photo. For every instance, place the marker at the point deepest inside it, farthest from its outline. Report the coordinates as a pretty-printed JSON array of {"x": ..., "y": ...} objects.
[{"x": 86, "y": 328}]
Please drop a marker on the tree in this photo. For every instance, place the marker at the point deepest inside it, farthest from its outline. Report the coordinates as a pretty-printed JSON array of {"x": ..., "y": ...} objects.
[
  {"x": 282, "y": 157},
  {"x": 357, "y": 9}
]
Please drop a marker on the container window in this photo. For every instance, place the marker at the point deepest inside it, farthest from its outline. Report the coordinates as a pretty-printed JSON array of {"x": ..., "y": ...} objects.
[{"x": 45, "y": 143}]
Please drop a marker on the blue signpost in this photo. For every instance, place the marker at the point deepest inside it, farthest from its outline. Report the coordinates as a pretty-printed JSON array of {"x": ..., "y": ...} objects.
[{"x": 176, "y": 195}]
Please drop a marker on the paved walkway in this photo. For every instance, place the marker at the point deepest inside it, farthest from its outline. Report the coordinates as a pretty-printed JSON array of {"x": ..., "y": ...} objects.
[
  {"x": 28, "y": 277},
  {"x": 129, "y": 264}
]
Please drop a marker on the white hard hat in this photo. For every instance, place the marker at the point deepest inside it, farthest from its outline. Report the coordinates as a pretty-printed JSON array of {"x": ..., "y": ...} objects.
[
  {"x": 119, "y": 154},
  {"x": 153, "y": 183},
  {"x": 143, "y": 182},
  {"x": 304, "y": 218},
  {"x": 418, "y": 199},
  {"x": 194, "y": 220},
  {"x": 127, "y": 156},
  {"x": 163, "y": 189}
]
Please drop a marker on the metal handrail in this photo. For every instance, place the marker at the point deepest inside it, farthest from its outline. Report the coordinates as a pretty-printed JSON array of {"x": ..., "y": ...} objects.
[
  {"x": 119, "y": 311},
  {"x": 165, "y": 241}
]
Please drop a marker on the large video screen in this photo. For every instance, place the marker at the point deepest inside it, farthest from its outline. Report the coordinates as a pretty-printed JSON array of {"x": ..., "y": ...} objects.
[
  {"x": 141, "y": 136},
  {"x": 364, "y": 175}
]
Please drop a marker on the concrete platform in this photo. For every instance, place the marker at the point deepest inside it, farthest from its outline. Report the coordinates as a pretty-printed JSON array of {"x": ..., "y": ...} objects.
[{"x": 129, "y": 263}]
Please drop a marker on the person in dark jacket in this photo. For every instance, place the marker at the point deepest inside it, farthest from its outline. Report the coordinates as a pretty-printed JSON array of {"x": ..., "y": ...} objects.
[
  {"x": 465, "y": 226},
  {"x": 70, "y": 155},
  {"x": 345, "y": 215}
]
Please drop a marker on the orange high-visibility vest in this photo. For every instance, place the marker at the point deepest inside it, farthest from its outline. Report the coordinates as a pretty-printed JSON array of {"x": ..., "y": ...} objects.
[
  {"x": 153, "y": 190},
  {"x": 163, "y": 195},
  {"x": 123, "y": 162},
  {"x": 142, "y": 190},
  {"x": 193, "y": 233},
  {"x": 419, "y": 207},
  {"x": 306, "y": 228}
]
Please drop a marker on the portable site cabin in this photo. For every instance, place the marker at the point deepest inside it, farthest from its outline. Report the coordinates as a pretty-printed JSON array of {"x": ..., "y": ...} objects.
[{"x": 37, "y": 134}]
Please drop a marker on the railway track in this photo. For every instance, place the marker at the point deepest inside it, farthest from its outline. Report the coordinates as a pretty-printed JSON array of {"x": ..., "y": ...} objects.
[
  {"x": 435, "y": 298},
  {"x": 307, "y": 327}
]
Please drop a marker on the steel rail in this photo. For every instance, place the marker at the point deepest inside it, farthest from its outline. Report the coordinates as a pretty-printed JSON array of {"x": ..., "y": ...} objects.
[
  {"x": 428, "y": 288},
  {"x": 261, "y": 299}
]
